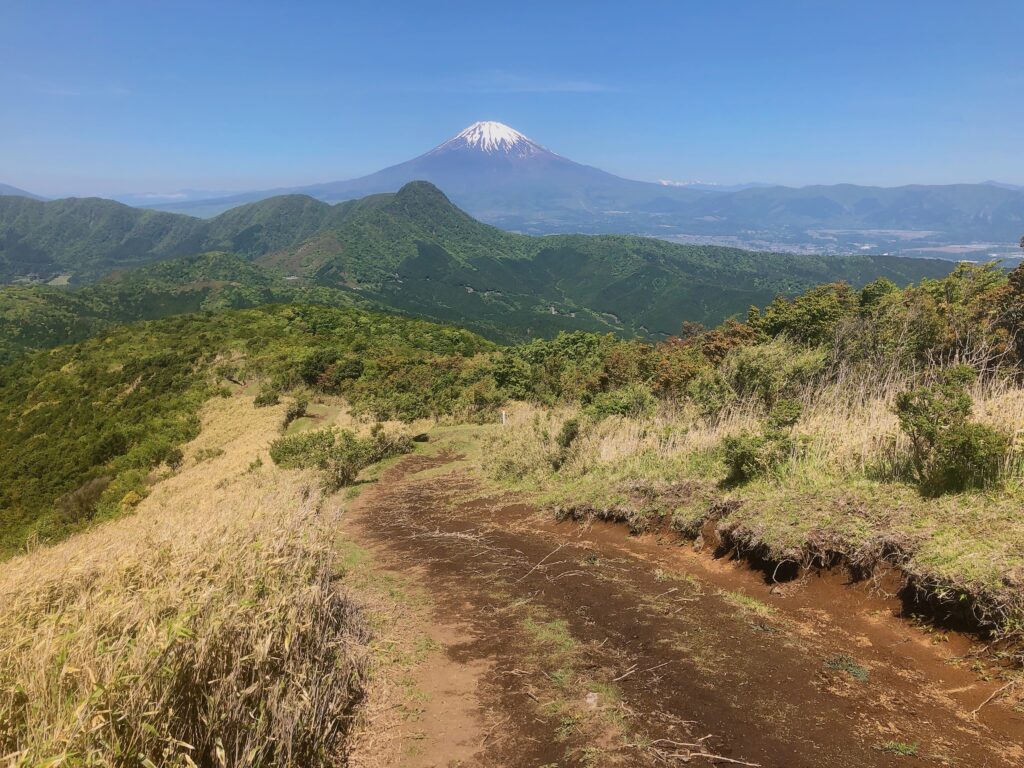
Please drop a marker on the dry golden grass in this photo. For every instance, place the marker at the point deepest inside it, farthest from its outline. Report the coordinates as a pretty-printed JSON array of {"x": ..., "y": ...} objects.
[
  {"x": 846, "y": 430},
  {"x": 208, "y": 628}
]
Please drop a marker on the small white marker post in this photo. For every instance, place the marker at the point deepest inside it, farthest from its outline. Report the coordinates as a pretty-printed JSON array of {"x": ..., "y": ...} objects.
[{"x": 503, "y": 418}]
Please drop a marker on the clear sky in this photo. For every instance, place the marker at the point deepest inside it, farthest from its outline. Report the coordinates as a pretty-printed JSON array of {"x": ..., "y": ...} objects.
[{"x": 105, "y": 97}]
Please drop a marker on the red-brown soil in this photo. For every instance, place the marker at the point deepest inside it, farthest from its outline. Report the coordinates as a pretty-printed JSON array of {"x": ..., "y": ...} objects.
[{"x": 707, "y": 663}]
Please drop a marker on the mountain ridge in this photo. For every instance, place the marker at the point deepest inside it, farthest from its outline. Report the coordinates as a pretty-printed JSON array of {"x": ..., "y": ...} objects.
[
  {"x": 412, "y": 252},
  {"x": 7, "y": 189}
]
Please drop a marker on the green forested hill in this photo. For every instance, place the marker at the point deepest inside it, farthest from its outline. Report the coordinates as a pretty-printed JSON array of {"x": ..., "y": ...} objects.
[
  {"x": 34, "y": 317},
  {"x": 84, "y": 424},
  {"x": 412, "y": 252},
  {"x": 418, "y": 253},
  {"x": 85, "y": 239}
]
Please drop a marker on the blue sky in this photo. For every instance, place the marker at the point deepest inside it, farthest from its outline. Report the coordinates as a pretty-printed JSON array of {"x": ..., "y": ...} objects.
[{"x": 108, "y": 97}]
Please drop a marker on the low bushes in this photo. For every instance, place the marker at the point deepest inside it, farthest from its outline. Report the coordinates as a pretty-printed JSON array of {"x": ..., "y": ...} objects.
[
  {"x": 633, "y": 402},
  {"x": 339, "y": 455},
  {"x": 266, "y": 397},
  {"x": 296, "y": 410},
  {"x": 950, "y": 453},
  {"x": 773, "y": 370},
  {"x": 710, "y": 392},
  {"x": 749, "y": 456},
  {"x": 80, "y": 504}
]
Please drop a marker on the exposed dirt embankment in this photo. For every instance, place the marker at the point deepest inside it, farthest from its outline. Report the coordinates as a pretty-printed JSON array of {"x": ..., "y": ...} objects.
[
  {"x": 710, "y": 521},
  {"x": 587, "y": 646}
]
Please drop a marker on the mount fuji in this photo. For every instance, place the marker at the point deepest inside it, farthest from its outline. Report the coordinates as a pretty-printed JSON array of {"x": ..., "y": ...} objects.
[
  {"x": 504, "y": 178},
  {"x": 500, "y": 176}
]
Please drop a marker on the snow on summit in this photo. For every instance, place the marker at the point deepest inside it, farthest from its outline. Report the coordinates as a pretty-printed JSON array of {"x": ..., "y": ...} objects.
[{"x": 493, "y": 138}]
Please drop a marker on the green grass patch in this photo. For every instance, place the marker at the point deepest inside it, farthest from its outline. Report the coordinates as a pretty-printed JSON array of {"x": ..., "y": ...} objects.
[
  {"x": 899, "y": 748},
  {"x": 849, "y": 665},
  {"x": 553, "y": 634},
  {"x": 748, "y": 605}
]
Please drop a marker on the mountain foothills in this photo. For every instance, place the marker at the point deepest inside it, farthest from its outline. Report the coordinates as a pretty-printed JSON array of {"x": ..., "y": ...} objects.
[
  {"x": 84, "y": 239},
  {"x": 33, "y": 317},
  {"x": 412, "y": 252},
  {"x": 504, "y": 178}
]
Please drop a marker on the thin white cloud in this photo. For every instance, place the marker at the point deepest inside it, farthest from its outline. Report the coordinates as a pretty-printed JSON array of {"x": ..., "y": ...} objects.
[
  {"x": 509, "y": 82},
  {"x": 502, "y": 81}
]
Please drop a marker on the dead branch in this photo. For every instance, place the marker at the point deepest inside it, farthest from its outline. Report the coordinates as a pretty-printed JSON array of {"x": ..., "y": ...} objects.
[
  {"x": 994, "y": 695},
  {"x": 538, "y": 565}
]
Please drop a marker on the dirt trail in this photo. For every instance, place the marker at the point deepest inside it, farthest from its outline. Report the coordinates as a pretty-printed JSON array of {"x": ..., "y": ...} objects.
[{"x": 562, "y": 644}]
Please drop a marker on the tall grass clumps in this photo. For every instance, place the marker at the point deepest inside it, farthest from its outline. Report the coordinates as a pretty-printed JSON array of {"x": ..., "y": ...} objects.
[{"x": 210, "y": 628}]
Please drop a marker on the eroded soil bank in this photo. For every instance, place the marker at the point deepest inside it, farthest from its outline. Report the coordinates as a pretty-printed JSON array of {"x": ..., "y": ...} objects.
[{"x": 567, "y": 644}]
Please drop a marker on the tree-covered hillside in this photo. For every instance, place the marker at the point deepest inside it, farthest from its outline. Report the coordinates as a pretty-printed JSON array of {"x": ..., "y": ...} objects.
[
  {"x": 84, "y": 239},
  {"x": 83, "y": 425},
  {"x": 36, "y": 317},
  {"x": 412, "y": 252}
]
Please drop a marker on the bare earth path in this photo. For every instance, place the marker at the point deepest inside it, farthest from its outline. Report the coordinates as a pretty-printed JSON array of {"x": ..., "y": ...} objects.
[{"x": 568, "y": 645}]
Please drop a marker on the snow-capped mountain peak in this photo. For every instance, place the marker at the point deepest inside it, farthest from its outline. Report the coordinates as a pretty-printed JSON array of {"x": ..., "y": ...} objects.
[{"x": 492, "y": 138}]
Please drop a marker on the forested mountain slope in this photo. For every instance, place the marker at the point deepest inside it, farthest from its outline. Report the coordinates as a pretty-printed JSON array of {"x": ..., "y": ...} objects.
[{"x": 412, "y": 252}]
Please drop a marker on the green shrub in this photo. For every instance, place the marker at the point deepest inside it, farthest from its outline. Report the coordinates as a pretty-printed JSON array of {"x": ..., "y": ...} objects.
[
  {"x": 315, "y": 363},
  {"x": 777, "y": 369},
  {"x": 153, "y": 450},
  {"x": 80, "y": 504},
  {"x": 481, "y": 398},
  {"x": 301, "y": 451},
  {"x": 784, "y": 415},
  {"x": 710, "y": 392},
  {"x": 133, "y": 481},
  {"x": 967, "y": 456},
  {"x": 949, "y": 452},
  {"x": 296, "y": 410},
  {"x": 874, "y": 291},
  {"x": 384, "y": 445},
  {"x": 266, "y": 397},
  {"x": 633, "y": 401},
  {"x": 109, "y": 446},
  {"x": 568, "y": 433},
  {"x": 749, "y": 456},
  {"x": 338, "y": 454},
  {"x": 344, "y": 459},
  {"x": 811, "y": 317},
  {"x": 174, "y": 458}
]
